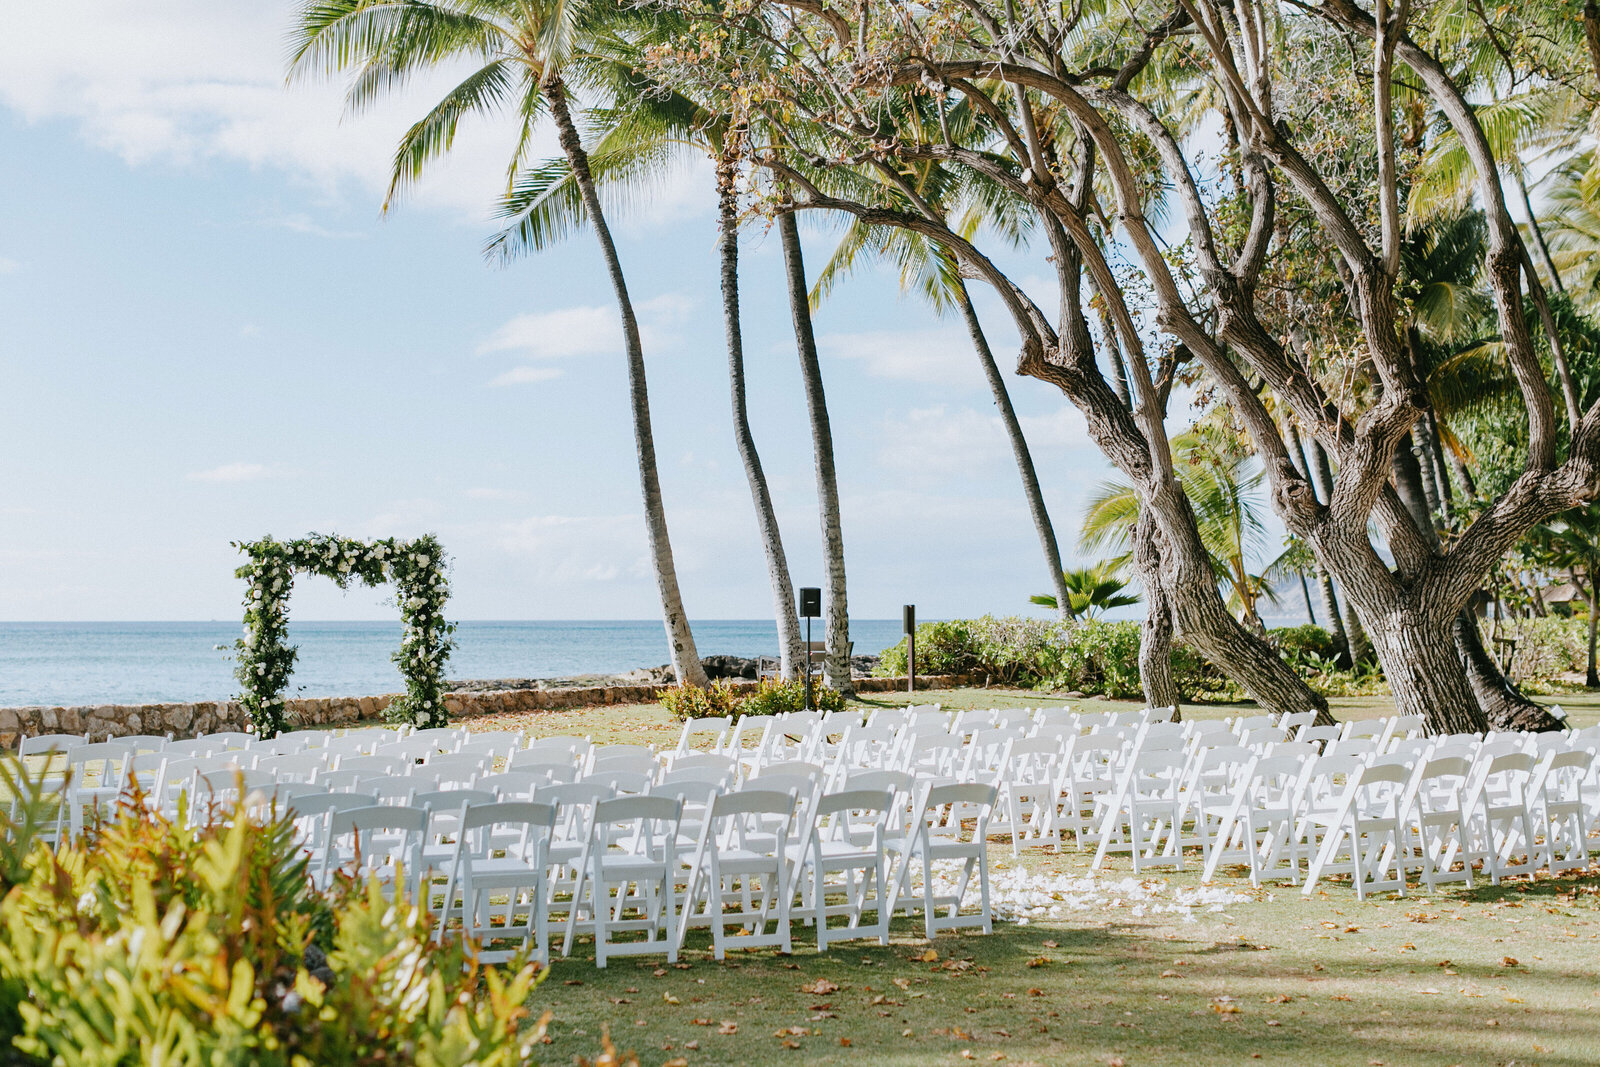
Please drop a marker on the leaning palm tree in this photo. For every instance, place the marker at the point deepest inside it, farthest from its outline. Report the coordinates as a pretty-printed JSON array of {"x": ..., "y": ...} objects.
[
  {"x": 521, "y": 53},
  {"x": 836, "y": 604},
  {"x": 930, "y": 270},
  {"x": 646, "y": 131}
]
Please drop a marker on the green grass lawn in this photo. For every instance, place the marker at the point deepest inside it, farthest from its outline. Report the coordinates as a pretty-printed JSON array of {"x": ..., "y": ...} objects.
[{"x": 1482, "y": 976}]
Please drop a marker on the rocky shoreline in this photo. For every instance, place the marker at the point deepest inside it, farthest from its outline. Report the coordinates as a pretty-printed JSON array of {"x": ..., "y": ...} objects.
[
  {"x": 463, "y": 700},
  {"x": 718, "y": 668}
]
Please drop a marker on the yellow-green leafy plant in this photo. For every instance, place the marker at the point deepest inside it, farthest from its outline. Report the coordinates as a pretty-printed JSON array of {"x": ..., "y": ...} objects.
[
  {"x": 202, "y": 941},
  {"x": 685, "y": 702}
]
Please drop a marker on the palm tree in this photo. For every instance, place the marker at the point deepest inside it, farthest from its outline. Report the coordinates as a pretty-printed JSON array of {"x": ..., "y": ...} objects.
[
  {"x": 930, "y": 270},
  {"x": 1091, "y": 591},
  {"x": 521, "y": 52},
  {"x": 836, "y": 607},
  {"x": 646, "y": 130},
  {"x": 1224, "y": 489}
]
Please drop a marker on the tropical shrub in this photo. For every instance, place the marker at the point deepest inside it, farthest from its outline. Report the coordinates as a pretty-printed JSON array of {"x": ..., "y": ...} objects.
[
  {"x": 151, "y": 940},
  {"x": 1297, "y": 643},
  {"x": 1546, "y": 648},
  {"x": 774, "y": 696},
  {"x": 685, "y": 702},
  {"x": 942, "y": 648}
]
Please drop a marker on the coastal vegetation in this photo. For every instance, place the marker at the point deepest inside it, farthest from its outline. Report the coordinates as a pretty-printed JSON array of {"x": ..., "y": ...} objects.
[{"x": 1299, "y": 221}]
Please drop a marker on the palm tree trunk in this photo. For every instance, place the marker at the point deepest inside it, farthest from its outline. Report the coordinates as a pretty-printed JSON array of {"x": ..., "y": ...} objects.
[
  {"x": 1330, "y": 599},
  {"x": 1019, "y": 449},
  {"x": 1593, "y": 678},
  {"x": 790, "y": 646},
  {"x": 685, "y": 660},
  {"x": 836, "y": 665}
]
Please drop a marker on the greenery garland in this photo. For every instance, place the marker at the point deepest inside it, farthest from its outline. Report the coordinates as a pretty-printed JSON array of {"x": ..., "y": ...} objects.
[{"x": 265, "y": 659}]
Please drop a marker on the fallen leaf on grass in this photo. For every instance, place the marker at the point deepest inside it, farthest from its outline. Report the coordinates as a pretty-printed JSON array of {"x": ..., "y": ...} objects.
[
  {"x": 1038, "y": 961},
  {"x": 1035, "y": 992},
  {"x": 903, "y": 983},
  {"x": 692, "y": 1046},
  {"x": 791, "y": 1031},
  {"x": 573, "y": 981},
  {"x": 929, "y": 956},
  {"x": 966, "y": 1054},
  {"x": 1171, "y": 974},
  {"x": 1509, "y": 961},
  {"x": 1429, "y": 992},
  {"x": 1281, "y": 998},
  {"x": 821, "y": 987},
  {"x": 1224, "y": 1007},
  {"x": 790, "y": 1042},
  {"x": 670, "y": 999},
  {"x": 1051, "y": 944},
  {"x": 702, "y": 1022},
  {"x": 678, "y": 1061},
  {"x": 1338, "y": 996},
  {"x": 844, "y": 1042},
  {"x": 728, "y": 1027}
]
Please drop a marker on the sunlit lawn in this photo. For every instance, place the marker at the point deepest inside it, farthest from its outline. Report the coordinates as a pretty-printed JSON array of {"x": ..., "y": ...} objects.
[{"x": 1480, "y": 976}]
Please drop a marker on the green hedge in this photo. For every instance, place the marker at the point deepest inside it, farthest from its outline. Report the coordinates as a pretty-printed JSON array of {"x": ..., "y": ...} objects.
[{"x": 1090, "y": 656}]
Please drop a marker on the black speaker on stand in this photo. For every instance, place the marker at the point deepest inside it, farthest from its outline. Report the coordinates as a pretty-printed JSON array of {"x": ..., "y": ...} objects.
[{"x": 810, "y": 608}]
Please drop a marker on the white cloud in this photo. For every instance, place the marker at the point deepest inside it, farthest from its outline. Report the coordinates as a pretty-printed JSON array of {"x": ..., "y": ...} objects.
[
  {"x": 939, "y": 442},
  {"x": 526, "y": 376},
  {"x": 176, "y": 82},
  {"x": 588, "y": 330},
  {"x": 232, "y": 472},
  {"x": 575, "y": 331},
  {"x": 300, "y": 222},
  {"x": 943, "y": 356},
  {"x": 9, "y": 266},
  {"x": 497, "y": 495}
]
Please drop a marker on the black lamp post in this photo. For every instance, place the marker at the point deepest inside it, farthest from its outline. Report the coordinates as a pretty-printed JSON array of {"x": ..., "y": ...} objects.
[{"x": 810, "y": 608}]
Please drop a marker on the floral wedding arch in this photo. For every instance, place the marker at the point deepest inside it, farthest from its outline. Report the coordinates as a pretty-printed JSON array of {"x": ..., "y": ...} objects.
[{"x": 265, "y": 659}]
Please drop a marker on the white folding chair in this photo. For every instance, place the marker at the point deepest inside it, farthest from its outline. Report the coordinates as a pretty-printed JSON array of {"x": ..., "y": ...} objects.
[
  {"x": 845, "y": 838},
  {"x": 501, "y": 863},
  {"x": 632, "y": 849},
  {"x": 740, "y": 872},
  {"x": 941, "y": 835},
  {"x": 1367, "y": 827}
]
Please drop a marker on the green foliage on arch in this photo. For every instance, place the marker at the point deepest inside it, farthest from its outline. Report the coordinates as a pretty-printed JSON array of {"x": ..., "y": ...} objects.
[{"x": 266, "y": 659}]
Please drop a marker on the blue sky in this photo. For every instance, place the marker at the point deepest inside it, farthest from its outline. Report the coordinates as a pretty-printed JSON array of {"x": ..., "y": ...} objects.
[{"x": 210, "y": 334}]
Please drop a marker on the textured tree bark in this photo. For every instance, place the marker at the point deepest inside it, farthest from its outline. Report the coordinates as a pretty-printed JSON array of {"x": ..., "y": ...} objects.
[
  {"x": 1155, "y": 633},
  {"x": 836, "y": 665},
  {"x": 1503, "y": 706},
  {"x": 1424, "y": 673},
  {"x": 680, "y": 640},
  {"x": 1330, "y": 599},
  {"x": 1019, "y": 451},
  {"x": 790, "y": 645},
  {"x": 1357, "y": 647}
]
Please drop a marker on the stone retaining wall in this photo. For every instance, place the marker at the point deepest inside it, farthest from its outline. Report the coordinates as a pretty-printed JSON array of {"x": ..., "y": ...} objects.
[{"x": 190, "y": 720}]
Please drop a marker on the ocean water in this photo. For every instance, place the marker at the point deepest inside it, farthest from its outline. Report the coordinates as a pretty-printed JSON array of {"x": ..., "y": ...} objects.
[{"x": 64, "y": 663}]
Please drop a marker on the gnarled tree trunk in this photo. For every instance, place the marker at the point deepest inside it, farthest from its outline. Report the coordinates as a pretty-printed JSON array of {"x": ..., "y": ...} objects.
[
  {"x": 836, "y": 665},
  {"x": 680, "y": 640},
  {"x": 1155, "y": 633}
]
